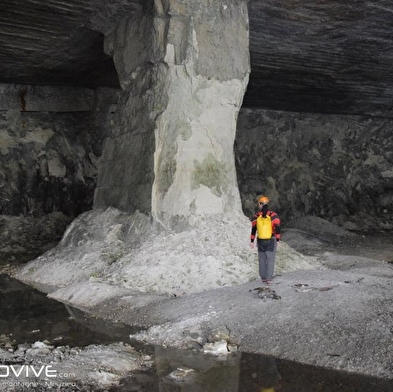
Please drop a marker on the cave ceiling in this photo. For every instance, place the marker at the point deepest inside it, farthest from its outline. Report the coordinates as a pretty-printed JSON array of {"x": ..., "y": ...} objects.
[{"x": 326, "y": 56}]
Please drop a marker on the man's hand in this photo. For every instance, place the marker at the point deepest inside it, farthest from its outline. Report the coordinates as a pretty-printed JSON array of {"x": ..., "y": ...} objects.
[{"x": 252, "y": 245}]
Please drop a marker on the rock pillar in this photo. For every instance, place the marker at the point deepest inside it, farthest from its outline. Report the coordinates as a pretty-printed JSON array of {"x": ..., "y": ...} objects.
[{"x": 183, "y": 66}]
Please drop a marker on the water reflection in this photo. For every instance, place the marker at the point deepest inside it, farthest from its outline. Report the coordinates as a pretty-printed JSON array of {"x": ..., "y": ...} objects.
[
  {"x": 190, "y": 371},
  {"x": 28, "y": 315},
  {"x": 256, "y": 374},
  {"x": 260, "y": 373}
]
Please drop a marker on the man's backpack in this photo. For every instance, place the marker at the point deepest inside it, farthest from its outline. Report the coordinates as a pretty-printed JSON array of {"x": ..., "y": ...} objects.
[{"x": 264, "y": 227}]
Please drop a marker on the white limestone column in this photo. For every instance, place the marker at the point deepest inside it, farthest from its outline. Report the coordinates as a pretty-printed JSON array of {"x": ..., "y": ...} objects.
[{"x": 184, "y": 68}]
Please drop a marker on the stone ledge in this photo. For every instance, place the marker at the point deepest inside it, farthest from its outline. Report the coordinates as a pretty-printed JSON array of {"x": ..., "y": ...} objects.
[{"x": 45, "y": 98}]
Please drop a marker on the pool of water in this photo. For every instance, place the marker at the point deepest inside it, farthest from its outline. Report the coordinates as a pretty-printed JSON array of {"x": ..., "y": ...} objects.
[
  {"x": 28, "y": 315},
  {"x": 244, "y": 372}
]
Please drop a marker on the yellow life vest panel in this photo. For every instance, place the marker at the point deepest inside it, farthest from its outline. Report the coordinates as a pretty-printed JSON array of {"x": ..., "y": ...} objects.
[{"x": 264, "y": 227}]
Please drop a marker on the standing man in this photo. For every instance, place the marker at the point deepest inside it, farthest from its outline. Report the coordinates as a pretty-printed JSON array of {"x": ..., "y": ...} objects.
[{"x": 266, "y": 224}]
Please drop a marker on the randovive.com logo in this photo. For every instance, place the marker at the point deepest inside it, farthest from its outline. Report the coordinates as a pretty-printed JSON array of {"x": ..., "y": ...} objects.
[
  {"x": 30, "y": 375},
  {"x": 27, "y": 371}
]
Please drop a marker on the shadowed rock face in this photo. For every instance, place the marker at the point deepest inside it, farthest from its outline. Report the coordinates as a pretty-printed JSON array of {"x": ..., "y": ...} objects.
[
  {"x": 337, "y": 167},
  {"x": 325, "y": 56},
  {"x": 57, "y": 42}
]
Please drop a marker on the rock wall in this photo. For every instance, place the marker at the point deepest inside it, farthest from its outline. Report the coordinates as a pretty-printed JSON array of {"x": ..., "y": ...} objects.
[
  {"x": 50, "y": 144},
  {"x": 183, "y": 68},
  {"x": 336, "y": 167}
]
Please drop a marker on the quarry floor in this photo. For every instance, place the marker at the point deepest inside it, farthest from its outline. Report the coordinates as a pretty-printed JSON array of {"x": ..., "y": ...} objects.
[{"x": 338, "y": 316}]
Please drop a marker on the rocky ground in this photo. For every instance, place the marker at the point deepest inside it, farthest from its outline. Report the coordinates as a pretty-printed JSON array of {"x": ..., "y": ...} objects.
[
  {"x": 337, "y": 314},
  {"x": 95, "y": 367}
]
